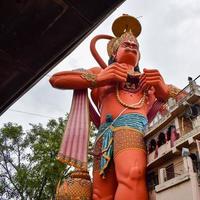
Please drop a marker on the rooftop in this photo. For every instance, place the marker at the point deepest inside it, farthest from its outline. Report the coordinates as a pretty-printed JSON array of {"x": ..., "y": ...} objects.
[{"x": 37, "y": 35}]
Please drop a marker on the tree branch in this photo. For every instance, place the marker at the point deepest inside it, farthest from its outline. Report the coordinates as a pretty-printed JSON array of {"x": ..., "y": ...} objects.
[
  {"x": 18, "y": 156},
  {"x": 9, "y": 175},
  {"x": 44, "y": 181},
  {"x": 8, "y": 160}
]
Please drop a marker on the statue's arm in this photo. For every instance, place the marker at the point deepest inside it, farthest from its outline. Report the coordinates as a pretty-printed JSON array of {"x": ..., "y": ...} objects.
[
  {"x": 79, "y": 79},
  {"x": 91, "y": 78}
]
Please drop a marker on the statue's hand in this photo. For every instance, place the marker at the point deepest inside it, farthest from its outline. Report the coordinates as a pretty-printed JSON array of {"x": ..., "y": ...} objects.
[
  {"x": 152, "y": 77},
  {"x": 112, "y": 74}
]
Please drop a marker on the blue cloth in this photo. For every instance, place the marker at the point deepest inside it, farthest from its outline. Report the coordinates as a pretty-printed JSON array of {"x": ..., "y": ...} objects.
[{"x": 134, "y": 120}]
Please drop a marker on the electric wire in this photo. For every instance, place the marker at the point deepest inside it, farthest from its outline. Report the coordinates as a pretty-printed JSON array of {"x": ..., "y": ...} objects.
[{"x": 33, "y": 114}]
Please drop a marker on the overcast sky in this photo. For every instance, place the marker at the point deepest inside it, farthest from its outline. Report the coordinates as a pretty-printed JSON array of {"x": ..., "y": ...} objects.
[{"x": 169, "y": 42}]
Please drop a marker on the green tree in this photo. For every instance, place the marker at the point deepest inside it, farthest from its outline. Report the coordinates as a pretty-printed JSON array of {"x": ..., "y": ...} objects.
[
  {"x": 28, "y": 168},
  {"x": 28, "y": 165}
]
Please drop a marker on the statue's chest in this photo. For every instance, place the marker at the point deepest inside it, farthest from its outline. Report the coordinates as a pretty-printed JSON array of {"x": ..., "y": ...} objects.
[{"x": 127, "y": 91}]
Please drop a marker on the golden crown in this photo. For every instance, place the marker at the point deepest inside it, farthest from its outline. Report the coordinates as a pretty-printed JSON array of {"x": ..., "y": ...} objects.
[{"x": 124, "y": 27}]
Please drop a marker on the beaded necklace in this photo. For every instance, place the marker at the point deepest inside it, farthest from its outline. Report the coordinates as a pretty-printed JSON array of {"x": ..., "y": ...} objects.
[{"x": 139, "y": 104}]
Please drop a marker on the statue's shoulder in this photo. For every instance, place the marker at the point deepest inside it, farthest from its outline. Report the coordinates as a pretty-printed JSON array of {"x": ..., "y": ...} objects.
[{"x": 173, "y": 91}]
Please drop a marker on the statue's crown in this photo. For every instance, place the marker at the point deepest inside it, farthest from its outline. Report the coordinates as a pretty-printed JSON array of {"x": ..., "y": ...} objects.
[{"x": 124, "y": 27}]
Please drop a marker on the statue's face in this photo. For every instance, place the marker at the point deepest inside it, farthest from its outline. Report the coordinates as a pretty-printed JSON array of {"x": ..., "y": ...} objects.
[{"x": 128, "y": 52}]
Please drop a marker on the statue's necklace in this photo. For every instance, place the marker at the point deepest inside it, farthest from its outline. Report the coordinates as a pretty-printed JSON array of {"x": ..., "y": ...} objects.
[{"x": 139, "y": 104}]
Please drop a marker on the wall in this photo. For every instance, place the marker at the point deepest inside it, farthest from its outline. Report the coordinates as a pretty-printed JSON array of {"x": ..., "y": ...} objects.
[{"x": 181, "y": 191}]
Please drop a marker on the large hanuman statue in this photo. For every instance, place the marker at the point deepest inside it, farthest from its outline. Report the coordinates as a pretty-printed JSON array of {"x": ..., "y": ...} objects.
[{"x": 126, "y": 100}]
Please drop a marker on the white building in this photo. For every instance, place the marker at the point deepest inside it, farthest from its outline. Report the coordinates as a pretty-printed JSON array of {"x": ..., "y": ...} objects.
[{"x": 173, "y": 153}]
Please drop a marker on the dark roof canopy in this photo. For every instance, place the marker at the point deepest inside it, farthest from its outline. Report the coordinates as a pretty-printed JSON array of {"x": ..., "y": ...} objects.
[{"x": 37, "y": 34}]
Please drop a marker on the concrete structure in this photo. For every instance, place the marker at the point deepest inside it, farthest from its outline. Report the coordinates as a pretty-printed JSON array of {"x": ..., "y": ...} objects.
[
  {"x": 37, "y": 35},
  {"x": 172, "y": 144}
]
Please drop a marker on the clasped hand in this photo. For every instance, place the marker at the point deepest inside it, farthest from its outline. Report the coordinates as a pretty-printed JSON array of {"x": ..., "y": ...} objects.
[
  {"x": 112, "y": 74},
  {"x": 151, "y": 77}
]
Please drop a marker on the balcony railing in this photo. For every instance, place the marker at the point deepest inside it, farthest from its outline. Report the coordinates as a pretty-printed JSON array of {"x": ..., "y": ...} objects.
[
  {"x": 161, "y": 151},
  {"x": 174, "y": 181},
  {"x": 168, "y": 147},
  {"x": 185, "y": 137}
]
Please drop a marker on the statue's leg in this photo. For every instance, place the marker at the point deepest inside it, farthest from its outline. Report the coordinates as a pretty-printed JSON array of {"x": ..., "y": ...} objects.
[
  {"x": 103, "y": 188},
  {"x": 130, "y": 165}
]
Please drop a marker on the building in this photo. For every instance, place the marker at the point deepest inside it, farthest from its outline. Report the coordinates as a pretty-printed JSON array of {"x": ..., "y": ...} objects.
[{"x": 173, "y": 141}]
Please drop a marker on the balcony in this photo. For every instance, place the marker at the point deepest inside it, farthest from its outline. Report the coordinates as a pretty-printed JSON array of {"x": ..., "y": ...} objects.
[
  {"x": 182, "y": 185},
  {"x": 188, "y": 139},
  {"x": 172, "y": 182},
  {"x": 165, "y": 151},
  {"x": 162, "y": 151}
]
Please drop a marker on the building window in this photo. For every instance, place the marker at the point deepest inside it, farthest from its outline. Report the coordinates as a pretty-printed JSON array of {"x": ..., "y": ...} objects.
[
  {"x": 170, "y": 171},
  {"x": 152, "y": 180},
  {"x": 186, "y": 125},
  {"x": 169, "y": 132},
  {"x": 152, "y": 145},
  {"x": 172, "y": 135},
  {"x": 161, "y": 139},
  {"x": 195, "y": 162}
]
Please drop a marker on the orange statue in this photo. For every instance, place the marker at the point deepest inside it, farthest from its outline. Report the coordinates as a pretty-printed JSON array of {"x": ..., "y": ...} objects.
[{"x": 124, "y": 98}]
